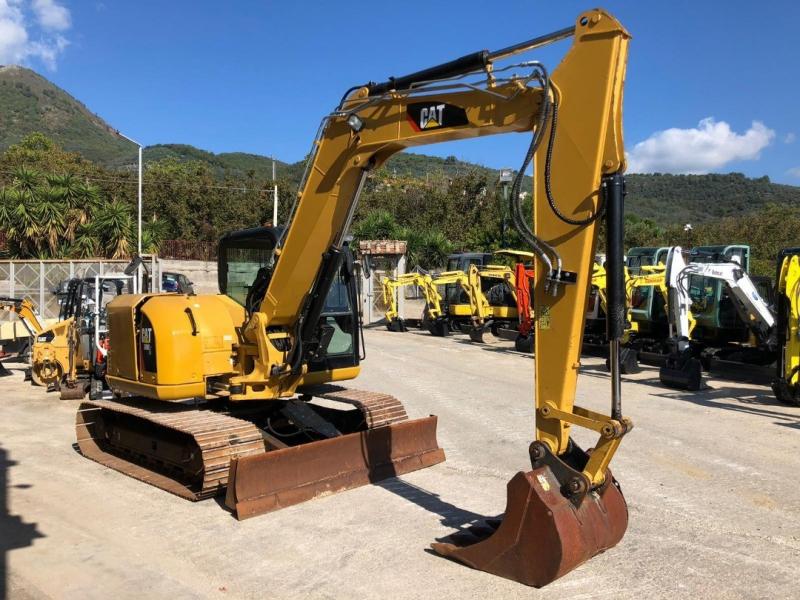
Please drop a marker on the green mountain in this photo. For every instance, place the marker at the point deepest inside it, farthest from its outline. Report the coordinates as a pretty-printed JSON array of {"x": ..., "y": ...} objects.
[{"x": 32, "y": 103}]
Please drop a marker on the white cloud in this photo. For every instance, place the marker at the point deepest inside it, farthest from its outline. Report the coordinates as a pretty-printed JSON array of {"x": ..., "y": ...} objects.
[
  {"x": 709, "y": 146},
  {"x": 51, "y": 15},
  {"x": 790, "y": 138},
  {"x": 795, "y": 172},
  {"x": 22, "y": 40}
]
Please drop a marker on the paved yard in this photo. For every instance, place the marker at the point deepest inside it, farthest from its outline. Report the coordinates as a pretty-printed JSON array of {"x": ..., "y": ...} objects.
[{"x": 710, "y": 479}]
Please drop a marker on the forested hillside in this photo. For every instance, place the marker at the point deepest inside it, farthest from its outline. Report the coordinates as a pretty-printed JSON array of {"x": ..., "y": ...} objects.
[{"x": 65, "y": 174}]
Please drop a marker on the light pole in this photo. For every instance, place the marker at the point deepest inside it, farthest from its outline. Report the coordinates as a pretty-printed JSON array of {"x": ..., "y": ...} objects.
[
  {"x": 139, "y": 211},
  {"x": 275, "y": 196},
  {"x": 506, "y": 176},
  {"x": 139, "y": 217},
  {"x": 687, "y": 229}
]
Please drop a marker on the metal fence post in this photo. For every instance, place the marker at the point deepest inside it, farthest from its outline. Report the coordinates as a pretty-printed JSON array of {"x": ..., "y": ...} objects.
[
  {"x": 41, "y": 286},
  {"x": 12, "y": 276}
]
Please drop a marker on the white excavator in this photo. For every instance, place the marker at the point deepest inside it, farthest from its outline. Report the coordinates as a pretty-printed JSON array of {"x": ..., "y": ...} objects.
[{"x": 683, "y": 369}]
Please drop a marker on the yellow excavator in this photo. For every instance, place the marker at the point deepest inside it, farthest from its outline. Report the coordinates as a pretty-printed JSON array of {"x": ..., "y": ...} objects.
[
  {"x": 786, "y": 385},
  {"x": 67, "y": 354},
  {"x": 458, "y": 309},
  {"x": 389, "y": 289},
  {"x": 496, "y": 307},
  {"x": 29, "y": 318},
  {"x": 235, "y": 390}
]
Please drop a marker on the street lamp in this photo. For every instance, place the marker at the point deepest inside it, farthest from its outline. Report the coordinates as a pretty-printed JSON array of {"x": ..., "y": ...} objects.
[
  {"x": 139, "y": 217},
  {"x": 506, "y": 177}
]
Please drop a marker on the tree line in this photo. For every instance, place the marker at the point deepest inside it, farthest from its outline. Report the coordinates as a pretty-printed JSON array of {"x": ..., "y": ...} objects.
[{"x": 58, "y": 204}]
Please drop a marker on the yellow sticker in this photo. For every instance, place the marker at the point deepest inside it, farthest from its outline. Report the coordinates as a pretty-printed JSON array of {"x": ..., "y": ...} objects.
[
  {"x": 543, "y": 482},
  {"x": 544, "y": 317}
]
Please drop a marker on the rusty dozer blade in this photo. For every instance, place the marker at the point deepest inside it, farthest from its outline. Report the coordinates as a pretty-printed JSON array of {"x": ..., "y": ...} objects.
[
  {"x": 277, "y": 479},
  {"x": 546, "y": 531}
]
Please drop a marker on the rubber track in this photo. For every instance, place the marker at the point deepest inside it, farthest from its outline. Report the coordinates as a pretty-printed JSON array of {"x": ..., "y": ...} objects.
[
  {"x": 219, "y": 438},
  {"x": 378, "y": 409}
]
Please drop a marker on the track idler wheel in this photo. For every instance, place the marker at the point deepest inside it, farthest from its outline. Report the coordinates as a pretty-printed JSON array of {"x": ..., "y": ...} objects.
[{"x": 547, "y": 530}]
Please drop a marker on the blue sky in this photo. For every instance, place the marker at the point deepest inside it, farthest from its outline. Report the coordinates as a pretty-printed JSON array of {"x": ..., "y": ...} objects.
[{"x": 712, "y": 86}]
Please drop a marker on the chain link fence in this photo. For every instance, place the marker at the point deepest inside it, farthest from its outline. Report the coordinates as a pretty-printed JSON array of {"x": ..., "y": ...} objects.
[{"x": 38, "y": 280}]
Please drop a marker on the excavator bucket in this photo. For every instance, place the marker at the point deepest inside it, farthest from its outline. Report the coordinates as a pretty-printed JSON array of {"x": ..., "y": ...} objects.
[
  {"x": 542, "y": 534},
  {"x": 397, "y": 325},
  {"x": 682, "y": 372},
  {"x": 265, "y": 482},
  {"x": 74, "y": 391}
]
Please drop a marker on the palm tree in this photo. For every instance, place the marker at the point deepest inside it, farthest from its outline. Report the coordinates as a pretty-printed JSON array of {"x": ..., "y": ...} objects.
[{"x": 113, "y": 226}]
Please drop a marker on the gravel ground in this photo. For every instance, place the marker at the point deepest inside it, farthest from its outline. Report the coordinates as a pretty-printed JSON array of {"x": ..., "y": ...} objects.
[{"x": 713, "y": 512}]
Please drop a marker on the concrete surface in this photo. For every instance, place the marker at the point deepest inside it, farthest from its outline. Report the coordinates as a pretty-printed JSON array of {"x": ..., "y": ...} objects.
[{"x": 710, "y": 479}]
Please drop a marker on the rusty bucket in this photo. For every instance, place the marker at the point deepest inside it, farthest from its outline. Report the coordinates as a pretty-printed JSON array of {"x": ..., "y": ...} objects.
[{"x": 544, "y": 532}]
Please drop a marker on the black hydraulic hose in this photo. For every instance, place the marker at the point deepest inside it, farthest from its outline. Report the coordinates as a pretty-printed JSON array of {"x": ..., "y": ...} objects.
[
  {"x": 547, "y": 170},
  {"x": 526, "y": 233}
]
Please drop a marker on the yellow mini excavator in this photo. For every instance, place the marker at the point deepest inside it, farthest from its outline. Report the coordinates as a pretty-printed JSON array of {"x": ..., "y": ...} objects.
[
  {"x": 457, "y": 309},
  {"x": 32, "y": 324},
  {"x": 389, "y": 289},
  {"x": 496, "y": 307},
  {"x": 786, "y": 385},
  {"x": 239, "y": 390},
  {"x": 65, "y": 355}
]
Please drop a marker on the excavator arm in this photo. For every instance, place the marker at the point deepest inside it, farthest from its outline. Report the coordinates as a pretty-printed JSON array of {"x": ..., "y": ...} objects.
[
  {"x": 389, "y": 288},
  {"x": 23, "y": 308},
  {"x": 575, "y": 114}
]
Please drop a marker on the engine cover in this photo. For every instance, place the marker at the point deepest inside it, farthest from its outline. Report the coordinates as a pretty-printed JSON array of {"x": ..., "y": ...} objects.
[{"x": 165, "y": 346}]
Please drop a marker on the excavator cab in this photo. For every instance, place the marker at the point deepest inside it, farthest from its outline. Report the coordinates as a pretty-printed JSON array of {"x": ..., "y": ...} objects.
[
  {"x": 718, "y": 321},
  {"x": 245, "y": 263},
  {"x": 648, "y": 309}
]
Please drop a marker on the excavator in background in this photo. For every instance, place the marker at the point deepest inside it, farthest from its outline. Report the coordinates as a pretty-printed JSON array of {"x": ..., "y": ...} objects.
[
  {"x": 786, "y": 384},
  {"x": 692, "y": 288},
  {"x": 29, "y": 319},
  {"x": 389, "y": 290},
  {"x": 70, "y": 354},
  {"x": 595, "y": 338},
  {"x": 455, "y": 312},
  {"x": 524, "y": 279},
  {"x": 493, "y": 298},
  {"x": 235, "y": 390}
]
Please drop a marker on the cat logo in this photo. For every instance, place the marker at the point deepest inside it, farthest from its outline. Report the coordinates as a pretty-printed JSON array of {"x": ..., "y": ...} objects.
[
  {"x": 147, "y": 335},
  {"x": 431, "y": 117},
  {"x": 425, "y": 116}
]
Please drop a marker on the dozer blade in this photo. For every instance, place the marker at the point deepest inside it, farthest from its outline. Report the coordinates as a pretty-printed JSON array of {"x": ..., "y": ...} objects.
[
  {"x": 263, "y": 483},
  {"x": 543, "y": 535}
]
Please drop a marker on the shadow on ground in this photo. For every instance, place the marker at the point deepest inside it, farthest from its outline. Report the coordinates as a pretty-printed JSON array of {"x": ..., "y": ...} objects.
[
  {"x": 451, "y": 515},
  {"x": 14, "y": 533}
]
